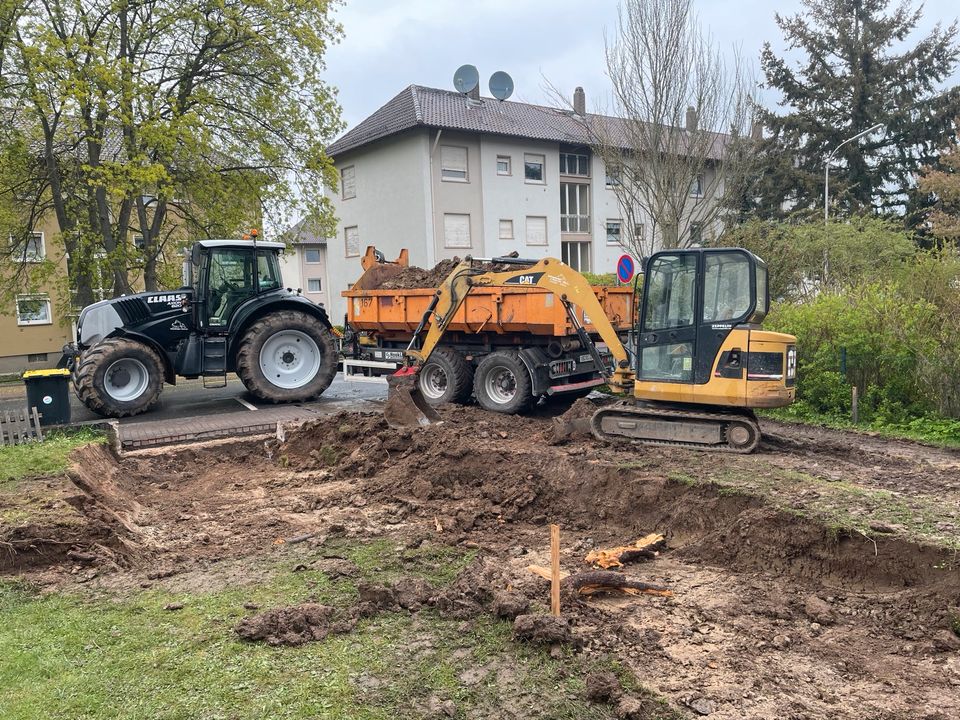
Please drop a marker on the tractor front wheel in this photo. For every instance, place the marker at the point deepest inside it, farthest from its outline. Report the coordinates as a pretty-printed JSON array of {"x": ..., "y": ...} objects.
[
  {"x": 288, "y": 356},
  {"x": 119, "y": 378}
]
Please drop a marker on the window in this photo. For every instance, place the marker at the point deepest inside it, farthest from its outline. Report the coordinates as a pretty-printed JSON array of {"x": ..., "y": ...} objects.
[
  {"x": 696, "y": 187},
  {"x": 576, "y": 255},
  {"x": 670, "y": 296},
  {"x": 313, "y": 285},
  {"x": 613, "y": 176},
  {"x": 453, "y": 163},
  {"x": 348, "y": 182},
  {"x": 726, "y": 286},
  {"x": 456, "y": 230},
  {"x": 33, "y": 310},
  {"x": 138, "y": 242},
  {"x": 536, "y": 230},
  {"x": 503, "y": 165},
  {"x": 574, "y": 207},
  {"x": 696, "y": 234},
  {"x": 533, "y": 168},
  {"x": 37, "y": 357},
  {"x": 613, "y": 232},
  {"x": 268, "y": 272},
  {"x": 574, "y": 164},
  {"x": 639, "y": 232},
  {"x": 33, "y": 250},
  {"x": 506, "y": 229},
  {"x": 312, "y": 255},
  {"x": 351, "y": 241},
  {"x": 230, "y": 282}
]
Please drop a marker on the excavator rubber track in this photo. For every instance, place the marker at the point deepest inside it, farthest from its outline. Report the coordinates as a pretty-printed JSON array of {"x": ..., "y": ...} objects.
[{"x": 736, "y": 432}]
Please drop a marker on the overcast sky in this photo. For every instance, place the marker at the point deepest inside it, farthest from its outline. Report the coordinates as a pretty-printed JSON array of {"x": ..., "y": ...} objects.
[{"x": 389, "y": 44}]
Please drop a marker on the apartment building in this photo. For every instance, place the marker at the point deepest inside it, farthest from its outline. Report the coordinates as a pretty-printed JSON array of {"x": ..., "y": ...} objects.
[
  {"x": 444, "y": 175},
  {"x": 304, "y": 265},
  {"x": 33, "y": 331}
]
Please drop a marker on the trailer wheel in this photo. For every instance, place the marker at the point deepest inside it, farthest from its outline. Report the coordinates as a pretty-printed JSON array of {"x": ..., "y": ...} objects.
[
  {"x": 287, "y": 356},
  {"x": 446, "y": 378},
  {"x": 119, "y": 378},
  {"x": 502, "y": 383}
]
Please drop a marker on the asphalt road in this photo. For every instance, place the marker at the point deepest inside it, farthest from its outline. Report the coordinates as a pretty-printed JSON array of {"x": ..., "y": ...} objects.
[{"x": 188, "y": 398}]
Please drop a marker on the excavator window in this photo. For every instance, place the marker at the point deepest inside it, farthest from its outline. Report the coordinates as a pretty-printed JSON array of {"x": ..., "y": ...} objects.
[
  {"x": 672, "y": 292},
  {"x": 726, "y": 287}
]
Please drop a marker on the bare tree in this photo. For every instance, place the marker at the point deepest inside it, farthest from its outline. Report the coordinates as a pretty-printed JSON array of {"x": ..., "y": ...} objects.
[{"x": 675, "y": 141}]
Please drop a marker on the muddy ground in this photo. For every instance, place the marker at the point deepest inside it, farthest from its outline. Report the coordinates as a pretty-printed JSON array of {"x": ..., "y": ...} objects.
[{"x": 797, "y": 591}]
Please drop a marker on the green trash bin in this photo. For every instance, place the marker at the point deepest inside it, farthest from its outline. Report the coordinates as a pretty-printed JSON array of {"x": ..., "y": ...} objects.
[{"x": 49, "y": 392}]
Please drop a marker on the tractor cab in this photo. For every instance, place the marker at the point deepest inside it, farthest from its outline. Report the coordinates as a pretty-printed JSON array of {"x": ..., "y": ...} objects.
[{"x": 225, "y": 274}]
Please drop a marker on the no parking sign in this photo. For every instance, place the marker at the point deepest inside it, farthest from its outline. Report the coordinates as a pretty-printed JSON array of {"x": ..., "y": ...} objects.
[{"x": 625, "y": 269}]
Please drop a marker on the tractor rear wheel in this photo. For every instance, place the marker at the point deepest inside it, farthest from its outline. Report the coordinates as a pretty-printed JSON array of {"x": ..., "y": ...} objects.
[
  {"x": 287, "y": 356},
  {"x": 446, "y": 377},
  {"x": 119, "y": 378}
]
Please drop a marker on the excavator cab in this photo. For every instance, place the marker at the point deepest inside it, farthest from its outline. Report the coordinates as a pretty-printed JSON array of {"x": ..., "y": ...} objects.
[{"x": 699, "y": 339}]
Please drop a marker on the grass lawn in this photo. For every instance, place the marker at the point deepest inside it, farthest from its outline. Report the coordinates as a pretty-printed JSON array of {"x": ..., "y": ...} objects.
[
  {"x": 102, "y": 655},
  {"x": 46, "y": 458}
]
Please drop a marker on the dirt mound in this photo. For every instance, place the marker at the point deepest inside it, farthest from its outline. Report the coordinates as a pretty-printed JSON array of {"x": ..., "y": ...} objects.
[
  {"x": 412, "y": 277},
  {"x": 543, "y": 629},
  {"x": 295, "y": 625}
]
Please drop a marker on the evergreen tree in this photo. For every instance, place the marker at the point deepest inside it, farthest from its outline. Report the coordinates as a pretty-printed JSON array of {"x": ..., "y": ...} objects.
[{"x": 859, "y": 68}]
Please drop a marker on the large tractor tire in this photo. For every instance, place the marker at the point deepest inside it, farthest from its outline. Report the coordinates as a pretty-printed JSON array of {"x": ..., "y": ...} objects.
[
  {"x": 287, "y": 356},
  {"x": 446, "y": 377},
  {"x": 502, "y": 383},
  {"x": 119, "y": 378}
]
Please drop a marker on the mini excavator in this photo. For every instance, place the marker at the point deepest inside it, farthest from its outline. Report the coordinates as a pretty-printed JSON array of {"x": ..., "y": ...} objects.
[{"x": 700, "y": 361}]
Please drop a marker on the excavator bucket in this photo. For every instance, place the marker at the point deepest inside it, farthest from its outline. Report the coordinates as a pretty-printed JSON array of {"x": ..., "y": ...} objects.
[{"x": 406, "y": 406}]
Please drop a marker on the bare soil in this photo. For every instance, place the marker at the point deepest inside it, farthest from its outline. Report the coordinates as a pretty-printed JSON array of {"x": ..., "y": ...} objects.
[
  {"x": 412, "y": 277},
  {"x": 785, "y": 604}
]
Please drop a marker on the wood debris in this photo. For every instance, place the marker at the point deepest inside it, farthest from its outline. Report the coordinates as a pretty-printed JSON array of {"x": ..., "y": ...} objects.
[
  {"x": 597, "y": 582},
  {"x": 646, "y": 548},
  {"x": 594, "y": 582}
]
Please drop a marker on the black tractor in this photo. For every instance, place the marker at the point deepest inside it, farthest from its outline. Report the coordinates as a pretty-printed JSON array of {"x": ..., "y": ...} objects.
[{"x": 231, "y": 315}]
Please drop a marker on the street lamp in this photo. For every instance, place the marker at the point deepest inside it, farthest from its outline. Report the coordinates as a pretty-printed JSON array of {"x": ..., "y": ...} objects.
[{"x": 826, "y": 169}]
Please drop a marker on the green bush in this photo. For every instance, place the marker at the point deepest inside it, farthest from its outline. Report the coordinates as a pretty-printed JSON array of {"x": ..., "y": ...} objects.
[{"x": 901, "y": 335}]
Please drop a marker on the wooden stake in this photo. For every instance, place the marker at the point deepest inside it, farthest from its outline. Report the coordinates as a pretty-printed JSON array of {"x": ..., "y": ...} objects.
[
  {"x": 555, "y": 570},
  {"x": 854, "y": 405}
]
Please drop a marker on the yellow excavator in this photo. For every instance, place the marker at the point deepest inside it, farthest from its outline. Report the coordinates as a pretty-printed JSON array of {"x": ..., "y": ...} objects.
[{"x": 700, "y": 361}]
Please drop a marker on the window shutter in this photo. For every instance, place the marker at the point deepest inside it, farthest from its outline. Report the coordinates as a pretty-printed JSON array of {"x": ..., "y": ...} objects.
[
  {"x": 456, "y": 231},
  {"x": 536, "y": 230},
  {"x": 352, "y": 240},
  {"x": 349, "y": 182}
]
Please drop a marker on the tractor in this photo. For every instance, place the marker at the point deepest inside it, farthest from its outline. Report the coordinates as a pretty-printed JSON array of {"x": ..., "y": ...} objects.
[{"x": 231, "y": 315}]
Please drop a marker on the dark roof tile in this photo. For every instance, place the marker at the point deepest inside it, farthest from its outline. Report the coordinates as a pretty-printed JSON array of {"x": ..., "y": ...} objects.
[{"x": 418, "y": 106}]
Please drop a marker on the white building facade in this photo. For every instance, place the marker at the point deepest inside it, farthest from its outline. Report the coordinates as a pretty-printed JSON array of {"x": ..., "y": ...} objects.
[{"x": 444, "y": 175}]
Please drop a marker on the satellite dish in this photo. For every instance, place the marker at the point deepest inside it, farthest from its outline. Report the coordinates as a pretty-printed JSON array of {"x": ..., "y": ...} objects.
[
  {"x": 466, "y": 78},
  {"x": 501, "y": 85}
]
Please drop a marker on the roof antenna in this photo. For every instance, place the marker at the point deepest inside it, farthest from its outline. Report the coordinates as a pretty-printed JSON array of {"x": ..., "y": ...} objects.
[
  {"x": 467, "y": 81},
  {"x": 501, "y": 85}
]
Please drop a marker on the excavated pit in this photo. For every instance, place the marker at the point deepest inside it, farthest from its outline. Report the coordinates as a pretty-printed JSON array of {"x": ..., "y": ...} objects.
[{"x": 763, "y": 595}]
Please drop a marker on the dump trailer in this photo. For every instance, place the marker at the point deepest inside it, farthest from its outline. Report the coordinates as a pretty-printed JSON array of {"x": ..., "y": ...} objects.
[{"x": 507, "y": 346}]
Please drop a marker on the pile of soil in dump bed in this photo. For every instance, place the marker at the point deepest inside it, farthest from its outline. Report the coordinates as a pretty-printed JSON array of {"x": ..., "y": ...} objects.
[{"x": 411, "y": 278}]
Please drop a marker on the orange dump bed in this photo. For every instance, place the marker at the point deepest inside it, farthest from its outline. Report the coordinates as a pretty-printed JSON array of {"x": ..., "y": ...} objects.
[{"x": 487, "y": 309}]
